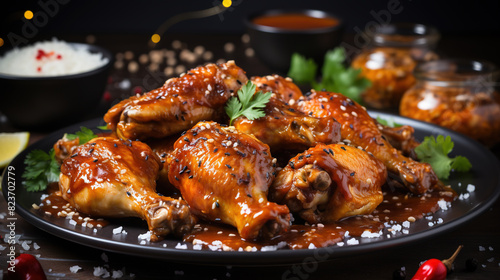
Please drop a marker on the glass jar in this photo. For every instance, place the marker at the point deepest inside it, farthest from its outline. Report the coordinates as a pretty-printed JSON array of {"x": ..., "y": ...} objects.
[
  {"x": 461, "y": 95},
  {"x": 390, "y": 58}
]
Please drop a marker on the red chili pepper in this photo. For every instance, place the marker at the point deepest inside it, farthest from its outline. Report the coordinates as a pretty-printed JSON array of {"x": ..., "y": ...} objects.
[
  {"x": 435, "y": 269},
  {"x": 26, "y": 267}
]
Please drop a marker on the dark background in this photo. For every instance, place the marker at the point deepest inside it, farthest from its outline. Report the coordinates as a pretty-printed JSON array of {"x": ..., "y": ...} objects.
[
  {"x": 133, "y": 16},
  {"x": 475, "y": 21}
]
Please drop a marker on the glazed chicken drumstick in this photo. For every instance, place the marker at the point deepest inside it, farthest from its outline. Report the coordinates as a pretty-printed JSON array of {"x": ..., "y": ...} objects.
[
  {"x": 329, "y": 182},
  {"x": 224, "y": 175},
  {"x": 359, "y": 129},
  {"x": 179, "y": 104},
  {"x": 108, "y": 177},
  {"x": 286, "y": 128}
]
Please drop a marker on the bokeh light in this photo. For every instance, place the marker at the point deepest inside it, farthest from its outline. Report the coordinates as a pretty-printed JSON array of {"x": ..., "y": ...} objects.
[
  {"x": 28, "y": 14},
  {"x": 227, "y": 3},
  {"x": 1, "y": 42},
  {"x": 155, "y": 38}
]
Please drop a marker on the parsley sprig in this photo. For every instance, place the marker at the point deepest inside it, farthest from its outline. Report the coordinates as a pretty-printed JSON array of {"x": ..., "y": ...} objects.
[
  {"x": 247, "y": 104},
  {"x": 84, "y": 135},
  {"x": 335, "y": 76},
  {"x": 435, "y": 152},
  {"x": 43, "y": 168}
]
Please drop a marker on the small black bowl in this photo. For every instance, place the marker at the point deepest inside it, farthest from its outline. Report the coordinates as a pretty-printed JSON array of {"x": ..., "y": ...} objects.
[
  {"x": 275, "y": 46},
  {"x": 39, "y": 103}
]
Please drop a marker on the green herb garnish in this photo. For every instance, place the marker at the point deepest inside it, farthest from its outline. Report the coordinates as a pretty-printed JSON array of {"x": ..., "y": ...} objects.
[
  {"x": 84, "y": 135},
  {"x": 335, "y": 76},
  {"x": 247, "y": 104},
  {"x": 435, "y": 152},
  {"x": 42, "y": 168},
  {"x": 388, "y": 122}
]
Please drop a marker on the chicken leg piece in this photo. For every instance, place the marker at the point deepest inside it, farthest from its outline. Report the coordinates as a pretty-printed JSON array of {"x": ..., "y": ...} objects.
[
  {"x": 284, "y": 88},
  {"x": 359, "y": 129},
  {"x": 108, "y": 177},
  {"x": 329, "y": 182},
  {"x": 286, "y": 128},
  {"x": 225, "y": 175},
  {"x": 178, "y": 105},
  {"x": 401, "y": 138}
]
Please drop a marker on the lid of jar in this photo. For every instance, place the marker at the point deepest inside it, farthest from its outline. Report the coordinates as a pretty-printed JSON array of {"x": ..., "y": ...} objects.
[
  {"x": 405, "y": 35},
  {"x": 457, "y": 72}
]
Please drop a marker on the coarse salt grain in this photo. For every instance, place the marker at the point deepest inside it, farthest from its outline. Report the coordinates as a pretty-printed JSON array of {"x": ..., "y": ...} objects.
[
  {"x": 75, "y": 268},
  {"x": 145, "y": 236},
  {"x": 352, "y": 241},
  {"x": 116, "y": 274},
  {"x": 471, "y": 188},
  {"x": 181, "y": 246},
  {"x": 443, "y": 204},
  {"x": 104, "y": 257},
  {"x": 369, "y": 234},
  {"x": 25, "y": 246},
  {"x": 101, "y": 271},
  {"x": 117, "y": 230}
]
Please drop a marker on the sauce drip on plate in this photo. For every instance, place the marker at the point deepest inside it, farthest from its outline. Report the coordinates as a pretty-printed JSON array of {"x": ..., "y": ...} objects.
[{"x": 396, "y": 208}]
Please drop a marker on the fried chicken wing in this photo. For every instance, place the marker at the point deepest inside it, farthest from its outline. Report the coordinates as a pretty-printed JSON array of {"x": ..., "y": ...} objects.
[
  {"x": 286, "y": 128},
  {"x": 224, "y": 175},
  {"x": 284, "y": 88},
  {"x": 401, "y": 138},
  {"x": 179, "y": 104},
  {"x": 330, "y": 182},
  {"x": 359, "y": 129},
  {"x": 64, "y": 148},
  {"x": 108, "y": 177}
]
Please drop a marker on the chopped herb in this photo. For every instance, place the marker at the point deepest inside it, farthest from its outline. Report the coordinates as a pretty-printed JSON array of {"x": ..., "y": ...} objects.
[
  {"x": 435, "y": 152},
  {"x": 247, "y": 104}
]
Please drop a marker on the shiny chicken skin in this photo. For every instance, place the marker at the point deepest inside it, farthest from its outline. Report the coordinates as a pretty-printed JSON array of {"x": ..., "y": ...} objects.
[
  {"x": 284, "y": 88},
  {"x": 286, "y": 128},
  {"x": 108, "y": 177},
  {"x": 225, "y": 175},
  {"x": 401, "y": 138},
  {"x": 179, "y": 104},
  {"x": 329, "y": 182},
  {"x": 359, "y": 129}
]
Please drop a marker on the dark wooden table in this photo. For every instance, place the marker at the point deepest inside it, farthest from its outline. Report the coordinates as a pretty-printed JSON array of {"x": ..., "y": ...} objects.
[{"x": 480, "y": 237}]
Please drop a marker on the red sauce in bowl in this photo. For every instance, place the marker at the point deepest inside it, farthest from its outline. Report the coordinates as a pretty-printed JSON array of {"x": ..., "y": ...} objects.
[{"x": 295, "y": 21}]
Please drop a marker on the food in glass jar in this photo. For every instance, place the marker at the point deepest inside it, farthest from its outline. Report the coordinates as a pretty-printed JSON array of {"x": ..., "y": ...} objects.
[
  {"x": 389, "y": 61},
  {"x": 458, "y": 95}
]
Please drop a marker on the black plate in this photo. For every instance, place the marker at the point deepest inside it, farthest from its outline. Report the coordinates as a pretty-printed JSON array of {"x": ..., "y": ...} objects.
[{"x": 485, "y": 175}]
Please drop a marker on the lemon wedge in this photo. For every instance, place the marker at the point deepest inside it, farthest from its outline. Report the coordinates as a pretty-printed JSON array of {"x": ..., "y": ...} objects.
[{"x": 12, "y": 144}]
